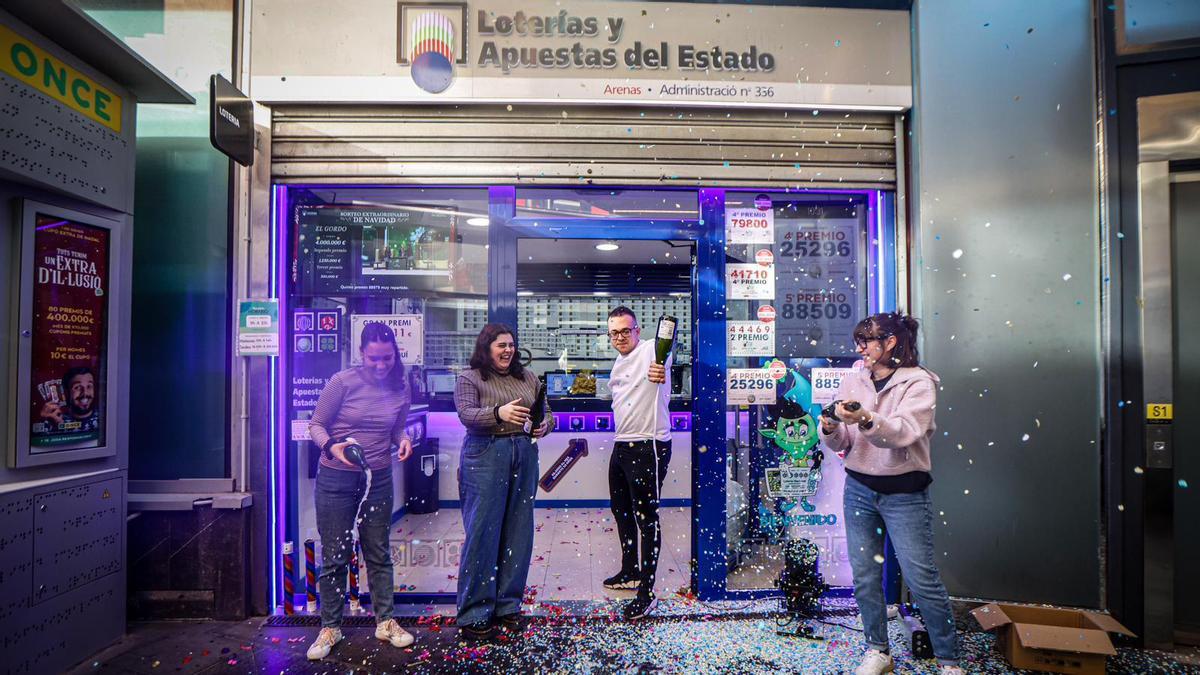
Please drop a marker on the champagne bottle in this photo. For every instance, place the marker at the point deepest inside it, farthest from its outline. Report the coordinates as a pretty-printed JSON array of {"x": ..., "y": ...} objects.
[
  {"x": 664, "y": 339},
  {"x": 354, "y": 454},
  {"x": 537, "y": 414}
]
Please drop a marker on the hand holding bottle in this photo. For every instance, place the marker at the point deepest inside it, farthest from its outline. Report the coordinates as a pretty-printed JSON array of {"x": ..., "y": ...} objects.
[
  {"x": 657, "y": 373},
  {"x": 513, "y": 412}
]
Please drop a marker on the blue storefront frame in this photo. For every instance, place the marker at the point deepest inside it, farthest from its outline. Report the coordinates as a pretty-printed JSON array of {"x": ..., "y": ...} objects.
[{"x": 709, "y": 548}]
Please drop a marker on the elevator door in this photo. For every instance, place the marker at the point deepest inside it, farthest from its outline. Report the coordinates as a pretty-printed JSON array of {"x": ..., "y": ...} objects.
[{"x": 1185, "y": 236}]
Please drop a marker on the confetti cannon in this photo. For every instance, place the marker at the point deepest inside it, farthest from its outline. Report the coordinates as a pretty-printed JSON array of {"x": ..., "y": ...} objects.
[
  {"x": 576, "y": 450},
  {"x": 289, "y": 578},
  {"x": 355, "y": 603},
  {"x": 914, "y": 630},
  {"x": 310, "y": 575},
  {"x": 802, "y": 585}
]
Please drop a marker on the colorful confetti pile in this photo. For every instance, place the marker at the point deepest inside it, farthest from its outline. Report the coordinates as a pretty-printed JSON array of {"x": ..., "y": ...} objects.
[{"x": 686, "y": 636}]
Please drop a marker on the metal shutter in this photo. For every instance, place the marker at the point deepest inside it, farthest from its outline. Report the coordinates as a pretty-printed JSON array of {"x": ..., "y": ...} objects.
[{"x": 598, "y": 145}]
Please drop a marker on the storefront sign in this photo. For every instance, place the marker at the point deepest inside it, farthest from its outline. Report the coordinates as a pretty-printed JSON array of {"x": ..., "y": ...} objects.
[
  {"x": 749, "y": 281},
  {"x": 545, "y": 51},
  {"x": 825, "y": 383},
  {"x": 749, "y": 338},
  {"x": 258, "y": 328},
  {"x": 749, "y": 386},
  {"x": 27, "y": 62},
  {"x": 231, "y": 121},
  {"x": 409, "y": 330},
  {"x": 70, "y": 335},
  {"x": 749, "y": 226}
]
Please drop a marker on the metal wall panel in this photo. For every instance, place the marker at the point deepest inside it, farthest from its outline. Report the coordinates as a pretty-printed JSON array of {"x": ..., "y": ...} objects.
[
  {"x": 1006, "y": 274},
  {"x": 467, "y": 145},
  {"x": 61, "y": 597},
  {"x": 77, "y": 537}
]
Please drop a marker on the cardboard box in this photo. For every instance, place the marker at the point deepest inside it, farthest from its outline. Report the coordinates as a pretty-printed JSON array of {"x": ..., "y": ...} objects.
[{"x": 1051, "y": 640}]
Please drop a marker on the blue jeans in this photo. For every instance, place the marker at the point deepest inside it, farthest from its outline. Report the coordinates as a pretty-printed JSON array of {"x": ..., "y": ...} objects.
[
  {"x": 497, "y": 485},
  {"x": 337, "y": 496},
  {"x": 907, "y": 519}
]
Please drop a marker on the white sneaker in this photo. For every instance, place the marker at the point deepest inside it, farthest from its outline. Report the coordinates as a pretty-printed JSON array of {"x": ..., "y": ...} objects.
[
  {"x": 875, "y": 663},
  {"x": 390, "y": 631},
  {"x": 326, "y": 639},
  {"x": 951, "y": 670}
]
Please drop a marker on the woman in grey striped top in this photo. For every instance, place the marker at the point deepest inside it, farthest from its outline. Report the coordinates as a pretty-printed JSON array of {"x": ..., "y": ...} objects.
[
  {"x": 366, "y": 406},
  {"x": 497, "y": 483}
]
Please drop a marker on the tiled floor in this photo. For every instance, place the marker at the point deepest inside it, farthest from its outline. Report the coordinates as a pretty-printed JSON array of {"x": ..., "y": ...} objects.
[{"x": 574, "y": 550}]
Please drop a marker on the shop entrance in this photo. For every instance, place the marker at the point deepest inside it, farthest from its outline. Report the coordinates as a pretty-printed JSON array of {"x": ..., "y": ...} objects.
[
  {"x": 565, "y": 291},
  {"x": 576, "y": 255},
  {"x": 438, "y": 264}
]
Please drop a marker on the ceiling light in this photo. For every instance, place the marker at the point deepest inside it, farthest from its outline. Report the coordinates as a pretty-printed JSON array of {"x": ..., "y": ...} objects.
[
  {"x": 478, "y": 222},
  {"x": 607, "y": 246}
]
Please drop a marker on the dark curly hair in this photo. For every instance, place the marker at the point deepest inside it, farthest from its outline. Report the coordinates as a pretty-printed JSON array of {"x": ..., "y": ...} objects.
[{"x": 481, "y": 358}]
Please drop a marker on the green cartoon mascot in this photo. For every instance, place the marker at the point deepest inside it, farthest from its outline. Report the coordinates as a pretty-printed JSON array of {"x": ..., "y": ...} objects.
[{"x": 795, "y": 432}]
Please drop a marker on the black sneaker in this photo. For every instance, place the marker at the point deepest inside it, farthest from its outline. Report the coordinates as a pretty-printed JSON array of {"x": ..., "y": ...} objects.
[
  {"x": 639, "y": 607},
  {"x": 623, "y": 581},
  {"x": 475, "y": 632},
  {"x": 509, "y": 623}
]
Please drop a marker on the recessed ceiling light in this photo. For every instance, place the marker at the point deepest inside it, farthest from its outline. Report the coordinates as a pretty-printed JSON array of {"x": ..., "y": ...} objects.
[
  {"x": 478, "y": 221},
  {"x": 607, "y": 246}
]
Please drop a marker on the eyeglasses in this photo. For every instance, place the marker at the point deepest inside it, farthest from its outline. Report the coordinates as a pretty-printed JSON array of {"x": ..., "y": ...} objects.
[
  {"x": 861, "y": 343},
  {"x": 623, "y": 333}
]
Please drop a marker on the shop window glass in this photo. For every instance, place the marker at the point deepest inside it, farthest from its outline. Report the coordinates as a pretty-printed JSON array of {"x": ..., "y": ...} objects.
[
  {"x": 796, "y": 274},
  {"x": 180, "y": 244},
  {"x": 1152, "y": 22},
  {"x": 416, "y": 259},
  {"x": 603, "y": 203}
]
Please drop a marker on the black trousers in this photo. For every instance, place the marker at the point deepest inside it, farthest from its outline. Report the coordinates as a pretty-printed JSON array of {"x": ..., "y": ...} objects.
[{"x": 631, "y": 484}]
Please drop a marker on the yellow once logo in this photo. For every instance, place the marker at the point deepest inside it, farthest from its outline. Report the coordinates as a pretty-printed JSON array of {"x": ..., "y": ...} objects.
[{"x": 25, "y": 61}]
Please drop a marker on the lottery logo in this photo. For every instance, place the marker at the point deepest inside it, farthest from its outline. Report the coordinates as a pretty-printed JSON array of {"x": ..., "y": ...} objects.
[
  {"x": 777, "y": 370},
  {"x": 304, "y": 322},
  {"x": 327, "y": 320},
  {"x": 432, "y": 55}
]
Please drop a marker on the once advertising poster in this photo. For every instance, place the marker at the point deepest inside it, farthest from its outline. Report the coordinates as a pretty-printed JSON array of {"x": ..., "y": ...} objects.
[{"x": 70, "y": 332}]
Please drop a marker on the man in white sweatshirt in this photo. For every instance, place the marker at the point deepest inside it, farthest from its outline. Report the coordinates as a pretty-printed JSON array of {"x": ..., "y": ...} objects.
[{"x": 641, "y": 453}]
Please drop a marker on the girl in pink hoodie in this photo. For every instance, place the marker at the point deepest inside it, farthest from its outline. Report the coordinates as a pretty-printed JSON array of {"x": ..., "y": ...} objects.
[{"x": 884, "y": 440}]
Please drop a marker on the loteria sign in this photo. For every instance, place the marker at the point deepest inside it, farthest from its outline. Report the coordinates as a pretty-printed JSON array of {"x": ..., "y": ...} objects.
[{"x": 582, "y": 51}]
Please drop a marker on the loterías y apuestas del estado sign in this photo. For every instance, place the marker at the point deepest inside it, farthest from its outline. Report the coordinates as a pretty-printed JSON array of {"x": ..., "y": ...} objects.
[{"x": 638, "y": 56}]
